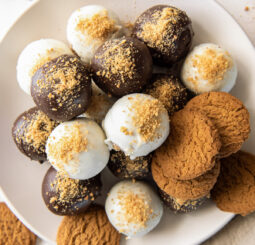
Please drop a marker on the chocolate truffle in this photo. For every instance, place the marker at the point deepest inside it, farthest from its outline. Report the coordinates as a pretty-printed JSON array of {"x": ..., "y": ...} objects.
[
  {"x": 180, "y": 206},
  {"x": 30, "y": 132},
  {"x": 61, "y": 88},
  {"x": 169, "y": 90},
  {"x": 122, "y": 66},
  {"x": 167, "y": 31},
  {"x": 123, "y": 167},
  {"x": 65, "y": 196}
]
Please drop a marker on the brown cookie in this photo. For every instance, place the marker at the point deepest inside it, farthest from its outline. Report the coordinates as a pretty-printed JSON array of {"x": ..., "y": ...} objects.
[
  {"x": 91, "y": 227},
  {"x": 186, "y": 189},
  {"x": 191, "y": 147},
  {"x": 229, "y": 116},
  {"x": 12, "y": 231},
  {"x": 235, "y": 189}
]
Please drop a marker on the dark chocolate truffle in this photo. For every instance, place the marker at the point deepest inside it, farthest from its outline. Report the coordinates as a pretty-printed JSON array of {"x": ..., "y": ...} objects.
[
  {"x": 180, "y": 206},
  {"x": 30, "y": 132},
  {"x": 124, "y": 168},
  {"x": 169, "y": 90},
  {"x": 122, "y": 66},
  {"x": 66, "y": 196},
  {"x": 167, "y": 31},
  {"x": 61, "y": 88}
]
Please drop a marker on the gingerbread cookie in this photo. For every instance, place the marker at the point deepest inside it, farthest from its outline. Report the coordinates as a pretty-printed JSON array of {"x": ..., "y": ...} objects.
[
  {"x": 229, "y": 116},
  {"x": 190, "y": 149},
  {"x": 186, "y": 189},
  {"x": 235, "y": 189},
  {"x": 12, "y": 231},
  {"x": 91, "y": 227}
]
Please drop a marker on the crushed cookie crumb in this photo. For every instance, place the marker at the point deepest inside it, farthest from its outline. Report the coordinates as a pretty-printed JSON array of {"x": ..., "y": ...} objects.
[
  {"x": 212, "y": 66},
  {"x": 100, "y": 26},
  {"x": 66, "y": 148},
  {"x": 136, "y": 209},
  {"x": 147, "y": 117}
]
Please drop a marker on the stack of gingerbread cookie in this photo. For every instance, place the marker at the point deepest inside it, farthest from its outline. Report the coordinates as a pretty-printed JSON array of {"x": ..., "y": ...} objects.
[{"x": 186, "y": 167}]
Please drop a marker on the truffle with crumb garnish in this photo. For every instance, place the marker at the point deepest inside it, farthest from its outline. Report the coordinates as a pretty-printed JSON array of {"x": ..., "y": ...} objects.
[
  {"x": 167, "y": 31},
  {"x": 61, "y": 88},
  {"x": 30, "y": 132},
  {"x": 65, "y": 196},
  {"x": 122, "y": 66},
  {"x": 124, "y": 168},
  {"x": 180, "y": 206},
  {"x": 133, "y": 208},
  {"x": 89, "y": 27},
  {"x": 169, "y": 90}
]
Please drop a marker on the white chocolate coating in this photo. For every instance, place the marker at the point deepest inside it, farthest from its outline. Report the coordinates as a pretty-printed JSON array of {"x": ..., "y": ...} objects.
[
  {"x": 36, "y": 54},
  {"x": 124, "y": 220},
  {"x": 222, "y": 78},
  {"x": 121, "y": 116},
  {"x": 85, "y": 164},
  {"x": 83, "y": 43}
]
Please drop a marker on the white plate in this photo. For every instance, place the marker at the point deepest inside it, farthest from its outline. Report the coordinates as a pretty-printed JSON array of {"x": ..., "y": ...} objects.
[{"x": 20, "y": 179}]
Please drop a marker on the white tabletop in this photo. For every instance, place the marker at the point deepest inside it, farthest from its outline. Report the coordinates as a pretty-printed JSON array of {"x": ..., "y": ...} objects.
[{"x": 240, "y": 230}]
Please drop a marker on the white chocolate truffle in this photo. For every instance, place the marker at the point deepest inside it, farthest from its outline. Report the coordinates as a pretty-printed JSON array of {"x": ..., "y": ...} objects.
[
  {"x": 77, "y": 147},
  {"x": 133, "y": 208},
  {"x": 36, "y": 54},
  {"x": 89, "y": 27},
  {"x": 137, "y": 124},
  {"x": 99, "y": 105},
  {"x": 208, "y": 68}
]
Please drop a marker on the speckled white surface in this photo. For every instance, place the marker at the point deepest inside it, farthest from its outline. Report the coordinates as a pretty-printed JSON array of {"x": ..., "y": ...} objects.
[{"x": 239, "y": 231}]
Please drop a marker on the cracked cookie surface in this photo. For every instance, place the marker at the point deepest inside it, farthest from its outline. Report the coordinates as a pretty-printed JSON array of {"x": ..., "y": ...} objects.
[
  {"x": 186, "y": 189},
  {"x": 235, "y": 189},
  {"x": 229, "y": 116},
  {"x": 191, "y": 148},
  {"x": 12, "y": 231},
  {"x": 91, "y": 227}
]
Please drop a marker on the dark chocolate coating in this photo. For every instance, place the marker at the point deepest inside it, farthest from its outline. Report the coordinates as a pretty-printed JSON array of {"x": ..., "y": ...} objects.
[
  {"x": 176, "y": 41},
  {"x": 122, "y": 83},
  {"x": 66, "y": 103},
  {"x": 175, "y": 96},
  {"x": 125, "y": 168},
  {"x": 75, "y": 205},
  {"x": 188, "y": 206},
  {"x": 21, "y": 127}
]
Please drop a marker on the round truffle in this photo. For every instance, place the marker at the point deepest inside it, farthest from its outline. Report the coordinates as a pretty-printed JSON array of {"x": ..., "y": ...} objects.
[
  {"x": 180, "y": 206},
  {"x": 125, "y": 168},
  {"x": 89, "y": 27},
  {"x": 167, "y": 31},
  {"x": 208, "y": 68},
  {"x": 36, "y": 54},
  {"x": 133, "y": 208},
  {"x": 77, "y": 147},
  {"x": 61, "y": 88},
  {"x": 65, "y": 196},
  {"x": 122, "y": 66},
  {"x": 30, "y": 132},
  {"x": 136, "y": 124},
  {"x": 169, "y": 90}
]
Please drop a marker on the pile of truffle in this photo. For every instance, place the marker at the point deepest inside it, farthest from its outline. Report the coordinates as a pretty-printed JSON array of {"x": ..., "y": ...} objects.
[{"x": 100, "y": 103}]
